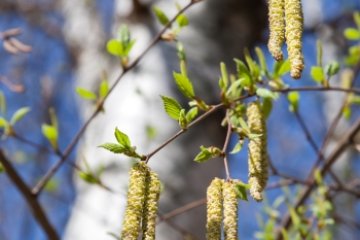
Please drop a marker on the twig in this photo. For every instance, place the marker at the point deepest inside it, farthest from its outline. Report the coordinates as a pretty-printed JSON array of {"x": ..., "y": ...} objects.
[
  {"x": 318, "y": 89},
  {"x": 31, "y": 199},
  {"x": 41, "y": 184}
]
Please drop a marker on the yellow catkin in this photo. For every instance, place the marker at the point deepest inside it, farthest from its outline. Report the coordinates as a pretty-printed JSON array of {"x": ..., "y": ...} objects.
[
  {"x": 214, "y": 210},
  {"x": 293, "y": 33},
  {"x": 257, "y": 151},
  {"x": 135, "y": 202},
  {"x": 230, "y": 210},
  {"x": 151, "y": 206},
  {"x": 277, "y": 28}
]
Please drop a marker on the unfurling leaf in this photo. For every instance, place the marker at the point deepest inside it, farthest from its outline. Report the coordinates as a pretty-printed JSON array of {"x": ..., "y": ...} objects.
[
  {"x": 241, "y": 189},
  {"x": 182, "y": 20},
  {"x": 293, "y": 98},
  {"x": 267, "y": 107},
  {"x": 317, "y": 73},
  {"x": 184, "y": 84},
  {"x": 191, "y": 114},
  {"x": 19, "y": 114},
  {"x": 332, "y": 68},
  {"x": 122, "y": 139},
  {"x": 51, "y": 134},
  {"x": 237, "y": 148},
  {"x": 207, "y": 153},
  {"x": 85, "y": 94},
  {"x": 113, "y": 147},
  {"x": 103, "y": 88},
  {"x": 115, "y": 47},
  {"x": 266, "y": 93},
  {"x": 172, "y": 107},
  {"x": 161, "y": 16},
  {"x": 182, "y": 119},
  {"x": 352, "y": 34}
]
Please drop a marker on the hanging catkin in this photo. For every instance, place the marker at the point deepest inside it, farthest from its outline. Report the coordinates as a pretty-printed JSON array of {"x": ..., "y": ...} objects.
[
  {"x": 257, "y": 152},
  {"x": 214, "y": 210},
  {"x": 293, "y": 32},
  {"x": 135, "y": 202},
  {"x": 230, "y": 210},
  {"x": 277, "y": 28},
  {"x": 151, "y": 206}
]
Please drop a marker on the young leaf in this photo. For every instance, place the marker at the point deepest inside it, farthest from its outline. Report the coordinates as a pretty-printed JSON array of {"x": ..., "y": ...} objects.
[
  {"x": 161, "y": 16},
  {"x": 172, "y": 107},
  {"x": 85, "y": 94},
  {"x": 207, "y": 153},
  {"x": 88, "y": 177},
  {"x": 115, "y": 47},
  {"x": 103, "y": 88},
  {"x": 317, "y": 73},
  {"x": 51, "y": 134},
  {"x": 281, "y": 68},
  {"x": 224, "y": 80},
  {"x": 113, "y": 147},
  {"x": 122, "y": 139},
  {"x": 3, "y": 122},
  {"x": 332, "y": 68},
  {"x": 238, "y": 146},
  {"x": 19, "y": 114},
  {"x": 253, "y": 66},
  {"x": 182, "y": 119},
  {"x": 191, "y": 114},
  {"x": 243, "y": 73},
  {"x": 182, "y": 20},
  {"x": 241, "y": 190},
  {"x": 184, "y": 85},
  {"x": 352, "y": 34},
  {"x": 347, "y": 112},
  {"x": 293, "y": 98},
  {"x": 266, "y": 93},
  {"x": 261, "y": 58}
]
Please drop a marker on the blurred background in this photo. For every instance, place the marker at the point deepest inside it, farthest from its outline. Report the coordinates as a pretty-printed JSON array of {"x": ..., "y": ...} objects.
[{"x": 68, "y": 50}]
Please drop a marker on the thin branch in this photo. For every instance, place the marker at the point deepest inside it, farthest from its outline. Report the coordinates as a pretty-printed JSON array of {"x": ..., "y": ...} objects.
[
  {"x": 183, "y": 209},
  {"x": 30, "y": 198},
  {"x": 51, "y": 172},
  {"x": 345, "y": 142},
  {"x": 318, "y": 89}
]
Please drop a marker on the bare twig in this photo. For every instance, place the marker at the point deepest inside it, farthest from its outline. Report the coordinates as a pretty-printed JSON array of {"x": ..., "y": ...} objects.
[{"x": 31, "y": 199}]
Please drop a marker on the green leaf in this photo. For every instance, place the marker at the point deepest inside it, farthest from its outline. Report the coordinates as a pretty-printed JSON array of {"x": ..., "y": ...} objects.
[
  {"x": 352, "y": 34},
  {"x": 253, "y": 66},
  {"x": 161, "y": 16},
  {"x": 207, "y": 153},
  {"x": 243, "y": 73},
  {"x": 184, "y": 84},
  {"x": 241, "y": 190},
  {"x": 266, "y": 93},
  {"x": 86, "y": 94},
  {"x": 128, "y": 48},
  {"x": 113, "y": 147},
  {"x": 243, "y": 124},
  {"x": 281, "y": 68},
  {"x": 103, "y": 88},
  {"x": 261, "y": 58},
  {"x": 3, "y": 123},
  {"x": 355, "y": 100},
  {"x": 357, "y": 19},
  {"x": 51, "y": 134},
  {"x": 182, "y": 57},
  {"x": 172, "y": 107},
  {"x": 347, "y": 112},
  {"x": 182, "y": 119},
  {"x": 293, "y": 98},
  {"x": 2, "y": 103},
  {"x": 182, "y": 20},
  {"x": 224, "y": 80},
  {"x": 317, "y": 73},
  {"x": 332, "y": 68},
  {"x": 19, "y": 114},
  {"x": 115, "y": 47},
  {"x": 238, "y": 146},
  {"x": 88, "y": 177},
  {"x": 267, "y": 107},
  {"x": 122, "y": 138},
  {"x": 191, "y": 114}
]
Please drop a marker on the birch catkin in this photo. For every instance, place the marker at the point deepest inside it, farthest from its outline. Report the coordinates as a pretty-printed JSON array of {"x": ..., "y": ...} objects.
[
  {"x": 230, "y": 210},
  {"x": 257, "y": 152},
  {"x": 151, "y": 206},
  {"x": 277, "y": 28},
  {"x": 293, "y": 32},
  {"x": 214, "y": 210},
  {"x": 135, "y": 202}
]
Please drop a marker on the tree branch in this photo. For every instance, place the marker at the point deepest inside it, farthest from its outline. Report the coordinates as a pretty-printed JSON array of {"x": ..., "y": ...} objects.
[{"x": 30, "y": 198}]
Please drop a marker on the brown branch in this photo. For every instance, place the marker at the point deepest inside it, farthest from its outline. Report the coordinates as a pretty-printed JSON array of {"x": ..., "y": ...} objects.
[
  {"x": 318, "y": 89},
  {"x": 51, "y": 172},
  {"x": 345, "y": 142},
  {"x": 30, "y": 198}
]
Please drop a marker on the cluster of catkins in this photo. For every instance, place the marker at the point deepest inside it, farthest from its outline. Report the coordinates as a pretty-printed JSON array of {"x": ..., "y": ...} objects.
[
  {"x": 286, "y": 22},
  {"x": 142, "y": 203},
  {"x": 222, "y": 207},
  {"x": 257, "y": 152}
]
